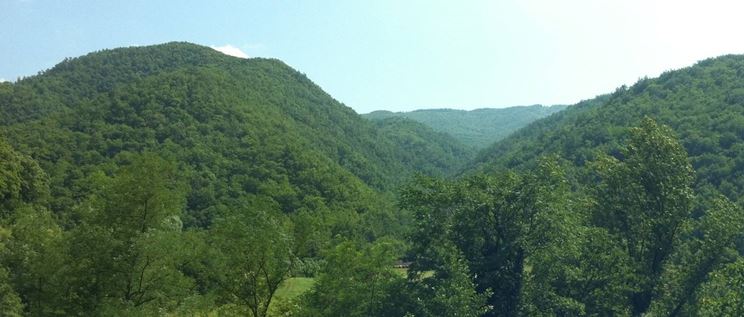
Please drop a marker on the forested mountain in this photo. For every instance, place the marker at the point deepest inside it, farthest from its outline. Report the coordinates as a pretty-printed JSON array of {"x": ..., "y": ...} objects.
[
  {"x": 703, "y": 104},
  {"x": 477, "y": 128},
  {"x": 256, "y": 125}
]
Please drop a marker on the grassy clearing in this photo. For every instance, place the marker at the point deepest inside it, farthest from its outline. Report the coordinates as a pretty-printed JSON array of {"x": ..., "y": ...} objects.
[
  {"x": 293, "y": 287},
  {"x": 289, "y": 290}
]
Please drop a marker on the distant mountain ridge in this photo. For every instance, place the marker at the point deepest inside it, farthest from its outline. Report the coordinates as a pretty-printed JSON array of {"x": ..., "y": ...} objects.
[{"x": 477, "y": 128}]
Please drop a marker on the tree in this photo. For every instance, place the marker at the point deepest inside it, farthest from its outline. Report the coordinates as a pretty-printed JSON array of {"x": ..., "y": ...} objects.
[
  {"x": 357, "y": 281},
  {"x": 127, "y": 250},
  {"x": 509, "y": 228},
  {"x": 10, "y": 302},
  {"x": 722, "y": 295},
  {"x": 645, "y": 201},
  {"x": 22, "y": 181},
  {"x": 447, "y": 290},
  {"x": 253, "y": 256},
  {"x": 706, "y": 252}
]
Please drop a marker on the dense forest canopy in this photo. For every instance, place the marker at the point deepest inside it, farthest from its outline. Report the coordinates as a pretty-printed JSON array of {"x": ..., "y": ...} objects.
[
  {"x": 477, "y": 128},
  {"x": 174, "y": 180},
  {"x": 703, "y": 104},
  {"x": 212, "y": 114}
]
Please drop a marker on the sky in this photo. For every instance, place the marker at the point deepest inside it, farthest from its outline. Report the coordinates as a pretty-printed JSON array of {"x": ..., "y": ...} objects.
[{"x": 399, "y": 55}]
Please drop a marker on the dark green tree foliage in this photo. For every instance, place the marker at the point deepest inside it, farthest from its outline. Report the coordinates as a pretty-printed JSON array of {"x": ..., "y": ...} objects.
[
  {"x": 721, "y": 296},
  {"x": 440, "y": 158},
  {"x": 10, "y": 302},
  {"x": 37, "y": 261},
  {"x": 699, "y": 258},
  {"x": 185, "y": 182},
  {"x": 645, "y": 200},
  {"x": 700, "y": 103},
  {"x": 23, "y": 191},
  {"x": 22, "y": 181},
  {"x": 213, "y": 114},
  {"x": 448, "y": 290},
  {"x": 357, "y": 282},
  {"x": 241, "y": 137},
  {"x": 496, "y": 223},
  {"x": 588, "y": 276},
  {"x": 252, "y": 257},
  {"x": 632, "y": 247},
  {"x": 128, "y": 248}
]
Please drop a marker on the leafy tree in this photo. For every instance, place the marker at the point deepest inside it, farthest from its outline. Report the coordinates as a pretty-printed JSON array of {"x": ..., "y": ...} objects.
[
  {"x": 128, "y": 248},
  {"x": 645, "y": 201},
  {"x": 21, "y": 181},
  {"x": 448, "y": 289},
  {"x": 253, "y": 256},
  {"x": 721, "y": 296},
  {"x": 356, "y": 282},
  {"x": 509, "y": 229},
  {"x": 706, "y": 252},
  {"x": 10, "y": 302},
  {"x": 596, "y": 281}
]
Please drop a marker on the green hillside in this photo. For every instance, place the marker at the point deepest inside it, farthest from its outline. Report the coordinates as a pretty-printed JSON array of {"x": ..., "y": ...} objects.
[
  {"x": 236, "y": 127},
  {"x": 164, "y": 178},
  {"x": 703, "y": 104},
  {"x": 477, "y": 128}
]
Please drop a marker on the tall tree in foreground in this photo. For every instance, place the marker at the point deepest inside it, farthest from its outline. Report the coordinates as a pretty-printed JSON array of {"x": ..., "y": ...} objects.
[
  {"x": 645, "y": 200},
  {"x": 29, "y": 236},
  {"x": 253, "y": 256},
  {"x": 499, "y": 225},
  {"x": 357, "y": 281},
  {"x": 701, "y": 254},
  {"x": 127, "y": 250}
]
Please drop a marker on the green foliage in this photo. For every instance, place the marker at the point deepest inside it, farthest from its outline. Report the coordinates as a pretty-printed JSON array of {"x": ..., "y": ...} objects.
[
  {"x": 632, "y": 247},
  {"x": 253, "y": 256},
  {"x": 645, "y": 200},
  {"x": 211, "y": 113},
  {"x": 447, "y": 290},
  {"x": 433, "y": 153},
  {"x": 478, "y": 128},
  {"x": 10, "y": 302},
  {"x": 355, "y": 282},
  {"x": 21, "y": 181},
  {"x": 700, "y": 103},
  {"x": 128, "y": 248},
  {"x": 160, "y": 157},
  {"x": 185, "y": 182},
  {"x": 721, "y": 296},
  {"x": 497, "y": 223},
  {"x": 718, "y": 230}
]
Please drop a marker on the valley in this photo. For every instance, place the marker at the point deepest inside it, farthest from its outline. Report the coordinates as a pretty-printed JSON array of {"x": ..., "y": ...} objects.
[{"x": 175, "y": 180}]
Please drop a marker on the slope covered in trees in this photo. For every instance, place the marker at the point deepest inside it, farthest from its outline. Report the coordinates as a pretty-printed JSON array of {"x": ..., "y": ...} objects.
[
  {"x": 703, "y": 104},
  {"x": 173, "y": 178},
  {"x": 477, "y": 128},
  {"x": 236, "y": 126}
]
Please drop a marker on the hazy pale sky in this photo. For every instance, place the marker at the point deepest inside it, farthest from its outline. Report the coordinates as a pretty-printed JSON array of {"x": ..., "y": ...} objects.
[{"x": 400, "y": 55}]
